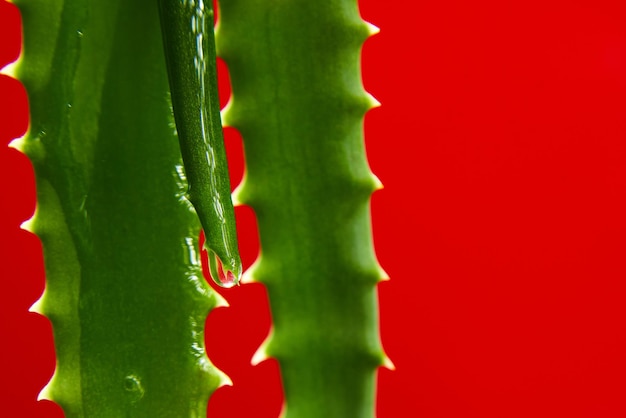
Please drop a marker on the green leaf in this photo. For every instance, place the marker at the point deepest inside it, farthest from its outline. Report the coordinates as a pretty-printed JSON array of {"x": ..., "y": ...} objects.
[{"x": 125, "y": 291}]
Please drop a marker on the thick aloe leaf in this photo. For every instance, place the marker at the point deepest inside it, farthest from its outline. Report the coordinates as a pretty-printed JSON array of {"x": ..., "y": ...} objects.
[
  {"x": 124, "y": 291},
  {"x": 299, "y": 104}
]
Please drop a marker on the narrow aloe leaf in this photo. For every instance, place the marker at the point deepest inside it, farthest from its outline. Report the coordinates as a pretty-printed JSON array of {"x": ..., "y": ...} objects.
[
  {"x": 124, "y": 289},
  {"x": 190, "y": 52},
  {"x": 299, "y": 104}
]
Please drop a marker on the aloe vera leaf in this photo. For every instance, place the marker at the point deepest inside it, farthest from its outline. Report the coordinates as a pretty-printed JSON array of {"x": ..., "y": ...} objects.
[
  {"x": 124, "y": 289},
  {"x": 190, "y": 53},
  {"x": 299, "y": 104}
]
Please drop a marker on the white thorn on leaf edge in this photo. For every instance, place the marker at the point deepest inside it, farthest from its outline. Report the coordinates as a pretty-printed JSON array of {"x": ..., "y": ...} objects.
[
  {"x": 27, "y": 225},
  {"x": 36, "y": 307},
  {"x": 9, "y": 69},
  {"x": 388, "y": 364},
  {"x": 374, "y": 103},
  {"x": 261, "y": 353},
  {"x": 372, "y": 29},
  {"x": 44, "y": 393}
]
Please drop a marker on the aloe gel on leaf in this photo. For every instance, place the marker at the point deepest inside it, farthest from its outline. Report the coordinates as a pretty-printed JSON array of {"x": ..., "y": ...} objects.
[{"x": 124, "y": 287}]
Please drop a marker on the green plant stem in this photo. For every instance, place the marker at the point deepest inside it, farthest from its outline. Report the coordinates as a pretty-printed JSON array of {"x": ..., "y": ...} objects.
[
  {"x": 124, "y": 287},
  {"x": 190, "y": 53},
  {"x": 299, "y": 103}
]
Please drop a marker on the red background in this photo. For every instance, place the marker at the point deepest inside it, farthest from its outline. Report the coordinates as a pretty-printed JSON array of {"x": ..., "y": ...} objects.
[{"x": 502, "y": 146}]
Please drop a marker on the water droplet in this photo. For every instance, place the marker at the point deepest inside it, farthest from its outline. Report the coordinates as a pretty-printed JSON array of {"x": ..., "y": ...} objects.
[
  {"x": 132, "y": 385},
  {"x": 225, "y": 278},
  {"x": 180, "y": 171},
  {"x": 192, "y": 255},
  {"x": 79, "y": 33}
]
